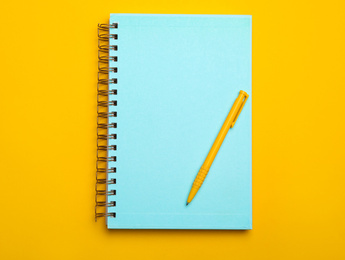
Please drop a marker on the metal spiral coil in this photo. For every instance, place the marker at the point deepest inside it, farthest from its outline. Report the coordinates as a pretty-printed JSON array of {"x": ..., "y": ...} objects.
[
  {"x": 103, "y": 103},
  {"x": 101, "y": 215}
]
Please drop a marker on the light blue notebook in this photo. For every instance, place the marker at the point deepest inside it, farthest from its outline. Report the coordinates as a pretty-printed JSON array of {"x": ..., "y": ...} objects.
[{"x": 177, "y": 78}]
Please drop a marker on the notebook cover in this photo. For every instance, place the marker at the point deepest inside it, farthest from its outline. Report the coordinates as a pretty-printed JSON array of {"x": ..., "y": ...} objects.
[{"x": 178, "y": 76}]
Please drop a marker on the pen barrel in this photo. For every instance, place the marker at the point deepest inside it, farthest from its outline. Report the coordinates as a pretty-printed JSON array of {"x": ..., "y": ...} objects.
[
  {"x": 228, "y": 123},
  {"x": 200, "y": 177}
]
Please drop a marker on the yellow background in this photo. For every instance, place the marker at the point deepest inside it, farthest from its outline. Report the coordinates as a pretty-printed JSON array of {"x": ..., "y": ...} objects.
[{"x": 48, "y": 72}]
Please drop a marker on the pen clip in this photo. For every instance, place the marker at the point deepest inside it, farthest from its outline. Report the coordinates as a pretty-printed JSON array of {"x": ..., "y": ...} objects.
[{"x": 241, "y": 107}]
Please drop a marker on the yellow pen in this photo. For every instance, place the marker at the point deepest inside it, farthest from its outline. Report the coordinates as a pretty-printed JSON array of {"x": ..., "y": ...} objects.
[{"x": 228, "y": 123}]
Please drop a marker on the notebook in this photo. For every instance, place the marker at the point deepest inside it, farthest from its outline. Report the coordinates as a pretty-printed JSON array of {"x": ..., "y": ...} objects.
[{"x": 165, "y": 86}]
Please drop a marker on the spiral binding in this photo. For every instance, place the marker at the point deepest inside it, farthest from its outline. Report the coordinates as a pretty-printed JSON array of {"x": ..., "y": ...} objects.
[{"x": 103, "y": 125}]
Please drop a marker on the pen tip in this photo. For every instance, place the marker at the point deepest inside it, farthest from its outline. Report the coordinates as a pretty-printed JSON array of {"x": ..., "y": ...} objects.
[{"x": 187, "y": 204}]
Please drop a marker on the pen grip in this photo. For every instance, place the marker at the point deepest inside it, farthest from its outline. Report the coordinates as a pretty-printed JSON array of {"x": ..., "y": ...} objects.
[{"x": 200, "y": 177}]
